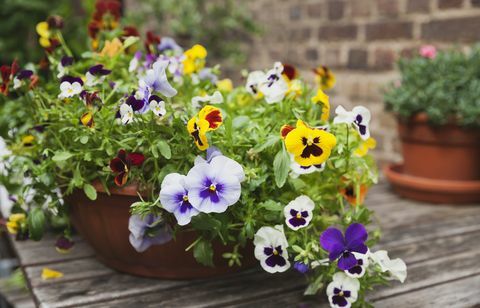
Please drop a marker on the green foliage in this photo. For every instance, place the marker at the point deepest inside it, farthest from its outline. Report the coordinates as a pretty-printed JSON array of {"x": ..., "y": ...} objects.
[
  {"x": 446, "y": 88},
  {"x": 36, "y": 223}
]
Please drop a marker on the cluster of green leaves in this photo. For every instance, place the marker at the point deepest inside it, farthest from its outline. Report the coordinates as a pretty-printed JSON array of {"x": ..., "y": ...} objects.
[{"x": 446, "y": 88}]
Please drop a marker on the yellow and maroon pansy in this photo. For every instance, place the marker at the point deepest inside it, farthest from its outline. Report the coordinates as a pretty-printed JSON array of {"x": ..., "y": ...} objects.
[
  {"x": 309, "y": 146},
  {"x": 324, "y": 77},
  {"x": 209, "y": 118},
  {"x": 87, "y": 119},
  {"x": 322, "y": 99}
]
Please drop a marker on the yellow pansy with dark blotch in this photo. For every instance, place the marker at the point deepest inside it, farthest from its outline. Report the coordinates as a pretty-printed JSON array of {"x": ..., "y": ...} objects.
[{"x": 208, "y": 119}]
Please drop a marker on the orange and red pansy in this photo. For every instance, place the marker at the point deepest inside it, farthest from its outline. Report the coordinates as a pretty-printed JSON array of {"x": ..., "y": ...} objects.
[{"x": 122, "y": 164}]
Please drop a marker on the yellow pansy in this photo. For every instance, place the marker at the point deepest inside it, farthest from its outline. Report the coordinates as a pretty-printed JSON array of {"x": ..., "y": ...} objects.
[
  {"x": 43, "y": 31},
  {"x": 225, "y": 85},
  {"x": 111, "y": 48},
  {"x": 48, "y": 273},
  {"x": 366, "y": 145},
  {"x": 194, "y": 59},
  {"x": 324, "y": 77},
  {"x": 323, "y": 99},
  {"x": 208, "y": 119},
  {"x": 87, "y": 119},
  {"x": 309, "y": 146},
  {"x": 28, "y": 140},
  {"x": 14, "y": 222}
]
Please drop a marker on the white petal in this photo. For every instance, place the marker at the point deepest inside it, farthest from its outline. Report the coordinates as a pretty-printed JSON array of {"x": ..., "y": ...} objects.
[
  {"x": 224, "y": 165},
  {"x": 77, "y": 88},
  {"x": 343, "y": 116},
  {"x": 276, "y": 91},
  {"x": 300, "y": 204},
  {"x": 173, "y": 179},
  {"x": 396, "y": 267},
  {"x": 253, "y": 80}
]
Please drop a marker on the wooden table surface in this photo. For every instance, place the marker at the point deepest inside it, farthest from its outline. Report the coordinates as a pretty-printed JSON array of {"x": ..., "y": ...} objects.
[{"x": 439, "y": 243}]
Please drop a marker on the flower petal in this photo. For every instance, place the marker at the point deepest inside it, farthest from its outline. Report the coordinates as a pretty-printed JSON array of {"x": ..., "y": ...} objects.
[{"x": 331, "y": 238}]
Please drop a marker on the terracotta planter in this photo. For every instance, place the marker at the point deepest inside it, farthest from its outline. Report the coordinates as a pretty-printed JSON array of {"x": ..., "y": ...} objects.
[
  {"x": 104, "y": 224},
  {"x": 441, "y": 163}
]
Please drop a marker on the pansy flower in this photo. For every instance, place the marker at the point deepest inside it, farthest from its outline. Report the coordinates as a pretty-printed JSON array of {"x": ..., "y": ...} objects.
[
  {"x": 309, "y": 146},
  {"x": 194, "y": 59},
  {"x": 297, "y": 170},
  {"x": 174, "y": 198},
  {"x": 169, "y": 44},
  {"x": 7, "y": 72},
  {"x": 298, "y": 213},
  {"x": 324, "y": 77},
  {"x": 359, "y": 117},
  {"x": 122, "y": 164},
  {"x": 157, "y": 105},
  {"x": 21, "y": 76},
  {"x": 289, "y": 71},
  {"x": 225, "y": 85},
  {"x": 44, "y": 32},
  {"x": 301, "y": 267},
  {"x": 209, "y": 118},
  {"x": 396, "y": 267},
  {"x": 342, "y": 292},
  {"x": 254, "y": 80},
  {"x": 342, "y": 247},
  {"x": 322, "y": 99},
  {"x": 95, "y": 75},
  {"x": 16, "y": 222},
  {"x": 358, "y": 270},
  {"x": 274, "y": 87},
  {"x": 348, "y": 192},
  {"x": 365, "y": 146},
  {"x": 134, "y": 63},
  {"x": 271, "y": 249},
  {"x": 70, "y": 86},
  {"x": 155, "y": 79},
  {"x": 87, "y": 119},
  {"x": 215, "y": 98},
  {"x": 208, "y": 74},
  {"x": 111, "y": 48},
  {"x": 151, "y": 42},
  {"x": 214, "y": 185},
  {"x": 65, "y": 62},
  {"x": 64, "y": 244},
  {"x": 28, "y": 140},
  {"x": 290, "y": 74},
  {"x": 147, "y": 231}
]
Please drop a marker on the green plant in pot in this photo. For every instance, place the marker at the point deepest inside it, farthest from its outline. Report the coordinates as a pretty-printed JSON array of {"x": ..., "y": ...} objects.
[
  {"x": 436, "y": 102},
  {"x": 169, "y": 172}
]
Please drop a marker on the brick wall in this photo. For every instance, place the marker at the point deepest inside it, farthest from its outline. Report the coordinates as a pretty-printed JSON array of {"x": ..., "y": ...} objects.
[{"x": 360, "y": 40}]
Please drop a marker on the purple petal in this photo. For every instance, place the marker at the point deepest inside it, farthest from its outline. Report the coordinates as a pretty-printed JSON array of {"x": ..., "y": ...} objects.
[
  {"x": 330, "y": 238},
  {"x": 359, "y": 247},
  {"x": 347, "y": 261},
  {"x": 355, "y": 234},
  {"x": 66, "y": 61},
  {"x": 336, "y": 252},
  {"x": 71, "y": 79}
]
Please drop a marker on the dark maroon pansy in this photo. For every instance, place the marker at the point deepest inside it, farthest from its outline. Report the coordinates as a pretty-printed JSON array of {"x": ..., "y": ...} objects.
[
  {"x": 122, "y": 163},
  {"x": 24, "y": 74},
  {"x": 64, "y": 244}
]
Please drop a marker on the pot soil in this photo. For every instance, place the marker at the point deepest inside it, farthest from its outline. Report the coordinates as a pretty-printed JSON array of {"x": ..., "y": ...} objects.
[
  {"x": 103, "y": 223},
  {"x": 441, "y": 163}
]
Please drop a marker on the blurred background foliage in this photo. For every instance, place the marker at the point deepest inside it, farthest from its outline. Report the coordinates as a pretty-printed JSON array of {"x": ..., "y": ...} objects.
[{"x": 219, "y": 25}]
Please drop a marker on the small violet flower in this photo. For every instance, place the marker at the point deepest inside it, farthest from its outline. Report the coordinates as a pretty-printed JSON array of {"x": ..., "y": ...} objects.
[
  {"x": 342, "y": 291},
  {"x": 174, "y": 198},
  {"x": 298, "y": 213},
  {"x": 95, "y": 75},
  {"x": 70, "y": 86},
  {"x": 342, "y": 247},
  {"x": 359, "y": 117},
  {"x": 155, "y": 79},
  {"x": 147, "y": 231},
  {"x": 214, "y": 186},
  {"x": 271, "y": 249},
  {"x": 428, "y": 51},
  {"x": 301, "y": 267}
]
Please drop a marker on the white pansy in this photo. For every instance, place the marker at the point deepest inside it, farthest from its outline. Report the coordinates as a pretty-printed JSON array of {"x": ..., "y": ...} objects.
[
  {"x": 396, "y": 267},
  {"x": 68, "y": 89},
  {"x": 274, "y": 87},
  {"x": 126, "y": 113},
  {"x": 342, "y": 292},
  {"x": 215, "y": 98},
  {"x": 359, "y": 116},
  {"x": 158, "y": 108},
  {"x": 298, "y": 212},
  {"x": 271, "y": 249},
  {"x": 254, "y": 80}
]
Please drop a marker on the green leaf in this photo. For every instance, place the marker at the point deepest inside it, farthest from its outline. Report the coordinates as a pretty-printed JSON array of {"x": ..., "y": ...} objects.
[
  {"x": 313, "y": 287},
  {"x": 203, "y": 252},
  {"x": 281, "y": 167},
  {"x": 83, "y": 139},
  {"x": 61, "y": 156},
  {"x": 90, "y": 191},
  {"x": 240, "y": 121},
  {"x": 164, "y": 149},
  {"x": 271, "y": 205},
  {"x": 36, "y": 223},
  {"x": 130, "y": 41},
  {"x": 206, "y": 222},
  {"x": 271, "y": 140}
]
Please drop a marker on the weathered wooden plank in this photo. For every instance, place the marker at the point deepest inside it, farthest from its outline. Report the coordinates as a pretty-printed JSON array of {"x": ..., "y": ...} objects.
[
  {"x": 88, "y": 268},
  {"x": 453, "y": 294}
]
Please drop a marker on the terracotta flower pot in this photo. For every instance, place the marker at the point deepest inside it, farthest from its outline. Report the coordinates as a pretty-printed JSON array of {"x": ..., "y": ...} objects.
[
  {"x": 441, "y": 163},
  {"x": 103, "y": 223}
]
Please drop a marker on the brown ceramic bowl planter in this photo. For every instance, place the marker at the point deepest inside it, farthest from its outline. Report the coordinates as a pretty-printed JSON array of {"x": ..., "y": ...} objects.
[
  {"x": 441, "y": 163},
  {"x": 103, "y": 223}
]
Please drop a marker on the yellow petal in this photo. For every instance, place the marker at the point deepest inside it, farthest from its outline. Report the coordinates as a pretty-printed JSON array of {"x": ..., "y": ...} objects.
[
  {"x": 42, "y": 29},
  {"x": 197, "y": 51},
  {"x": 44, "y": 42},
  {"x": 212, "y": 115},
  {"x": 225, "y": 85},
  {"x": 323, "y": 99},
  {"x": 50, "y": 274},
  {"x": 12, "y": 227},
  {"x": 17, "y": 217}
]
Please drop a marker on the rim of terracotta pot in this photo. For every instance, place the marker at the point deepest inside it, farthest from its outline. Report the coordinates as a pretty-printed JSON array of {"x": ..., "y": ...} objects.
[
  {"x": 127, "y": 190},
  {"x": 432, "y": 186}
]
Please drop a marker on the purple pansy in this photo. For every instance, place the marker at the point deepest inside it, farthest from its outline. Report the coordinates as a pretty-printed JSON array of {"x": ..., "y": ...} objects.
[
  {"x": 360, "y": 268},
  {"x": 174, "y": 198},
  {"x": 301, "y": 267},
  {"x": 342, "y": 247},
  {"x": 298, "y": 213},
  {"x": 214, "y": 186},
  {"x": 155, "y": 80},
  {"x": 18, "y": 80},
  {"x": 271, "y": 249},
  {"x": 147, "y": 231}
]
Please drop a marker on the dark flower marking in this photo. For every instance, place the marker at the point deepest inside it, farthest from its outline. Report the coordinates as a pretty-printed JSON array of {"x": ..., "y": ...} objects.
[{"x": 274, "y": 256}]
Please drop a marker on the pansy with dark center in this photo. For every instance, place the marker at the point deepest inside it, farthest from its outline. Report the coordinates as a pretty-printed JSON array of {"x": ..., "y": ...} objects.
[
  {"x": 208, "y": 118},
  {"x": 298, "y": 213},
  {"x": 359, "y": 117},
  {"x": 342, "y": 291},
  {"x": 342, "y": 247},
  {"x": 122, "y": 164},
  {"x": 271, "y": 249},
  {"x": 301, "y": 267},
  {"x": 359, "y": 269},
  {"x": 274, "y": 87}
]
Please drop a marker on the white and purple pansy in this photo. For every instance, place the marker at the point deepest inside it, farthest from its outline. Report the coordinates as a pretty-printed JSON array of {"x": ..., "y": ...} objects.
[
  {"x": 274, "y": 87},
  {"x": 168, "y": 43},
  {"x": 214, "y": 185},
  {"x": 155, "y": 79},
  {"x": 174, "y": 198},
  {"x": 342, "y": 247},
  {"x": 298, "y": 213},
  {"x": 134, "y": 63},
  {"x": 70, "y": 86},
  {"x": 95, "y": 75},
  {"x": 254, "y": 80},
  {"x": 357, "y": 271},
  {"x": 215, "y": 98},
  {"x": 126, "y": 113},
  {"x": 297, "y": 169},
  {"x": 207, "y": 74},
  {"x": 396, "y": 267},
  {"x": 63, "y": 64},
  {"x": 21, "y": 76},
  {"x": 157, "y": 105},
  {"x": 271, "y": 249},
  {"x": 359, "y": 116},
  {"x": 147, "y": 231},
  {"x": 342, "y": 292}
]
